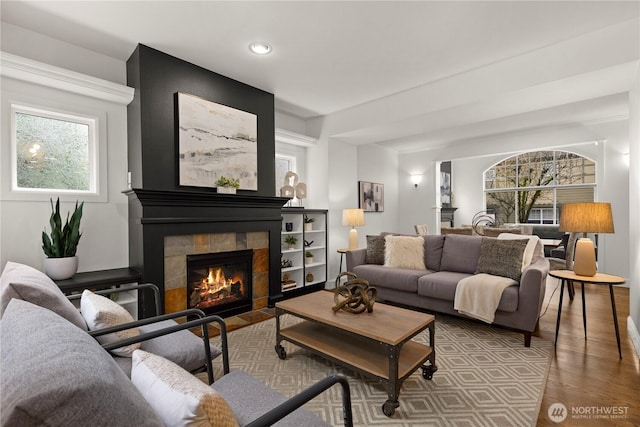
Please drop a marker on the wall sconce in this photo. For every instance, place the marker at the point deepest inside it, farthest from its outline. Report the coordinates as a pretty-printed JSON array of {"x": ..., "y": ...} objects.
[
  {"x": 416, "y": 178},
  {"x": 353, "y": 218}
]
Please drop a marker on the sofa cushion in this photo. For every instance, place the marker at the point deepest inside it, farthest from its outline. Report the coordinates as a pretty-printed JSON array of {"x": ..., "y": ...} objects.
[
  {"x": 460, "y": 253},
  {"x": 375, "y": 250},
  {"x": 239, "y": 388},
  {"x": 530, "y": 249},
  {"x": 404, "y": 252},
  {"x": 401, "y": 279},
  {"x": 100, "y": 312},
  {"x": 178, "y": 397},
  {"x": 433, "y": 244},
  {"x": 441, "y": 285},
  {"x": 183, "y": 348},
  {"x": 502, "y": 257},
  {"x": 55, "y": 374},
  {"x": 28, "y": 284}
]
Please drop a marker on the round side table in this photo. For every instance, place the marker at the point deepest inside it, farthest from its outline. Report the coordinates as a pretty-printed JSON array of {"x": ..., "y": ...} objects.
[{"x": 598, "y": 279}]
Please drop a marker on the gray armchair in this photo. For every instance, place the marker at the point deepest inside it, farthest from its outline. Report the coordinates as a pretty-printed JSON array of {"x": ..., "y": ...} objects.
[{"x": 566, "y": 262}]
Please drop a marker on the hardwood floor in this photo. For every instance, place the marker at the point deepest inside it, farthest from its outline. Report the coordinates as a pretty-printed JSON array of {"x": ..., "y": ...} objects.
[{"x": 587, "y": 375}]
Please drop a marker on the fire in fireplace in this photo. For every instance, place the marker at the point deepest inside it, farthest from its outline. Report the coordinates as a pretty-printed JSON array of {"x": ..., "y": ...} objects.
[{"x": 220, "y": 283}]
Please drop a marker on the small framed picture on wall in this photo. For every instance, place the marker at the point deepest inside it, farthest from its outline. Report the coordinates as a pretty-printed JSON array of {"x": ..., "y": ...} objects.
[{"x": 371, "y": 196}]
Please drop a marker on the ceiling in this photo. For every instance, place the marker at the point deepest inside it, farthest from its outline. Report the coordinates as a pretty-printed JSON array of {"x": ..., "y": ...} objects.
[{"x": 334, "y": 58}]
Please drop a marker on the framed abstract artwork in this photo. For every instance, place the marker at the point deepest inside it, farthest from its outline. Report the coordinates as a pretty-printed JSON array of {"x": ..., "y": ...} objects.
[
  {"x": 215, "y": 140},
  {"x": 371, "y": 196}
]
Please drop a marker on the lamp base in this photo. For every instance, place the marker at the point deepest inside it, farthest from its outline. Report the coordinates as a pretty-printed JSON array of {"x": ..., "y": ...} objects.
[
  {"x": 585, "y": 258},
  {"x": 353, "y": 239}
]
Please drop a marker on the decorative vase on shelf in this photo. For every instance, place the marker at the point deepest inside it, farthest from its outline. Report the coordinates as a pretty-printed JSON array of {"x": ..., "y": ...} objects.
[
  {"x": 226, "y": 190},
  {"x": 61, "y": 268}
]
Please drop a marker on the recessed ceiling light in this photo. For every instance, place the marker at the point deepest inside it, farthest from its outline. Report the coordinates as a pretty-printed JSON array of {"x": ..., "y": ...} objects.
[{"x": 260, "y": 48}]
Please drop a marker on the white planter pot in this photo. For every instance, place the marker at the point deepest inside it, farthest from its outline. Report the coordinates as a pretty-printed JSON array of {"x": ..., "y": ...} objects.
[
  {"x": 308, "y": 226},
  {"x": 226, "y": 190},
  {"x": 308, "y": 260},
  {"x": 61, "y": 268}
]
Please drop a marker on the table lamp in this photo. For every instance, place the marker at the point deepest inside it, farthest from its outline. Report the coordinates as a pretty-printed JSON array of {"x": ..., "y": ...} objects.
[
  {"x": 586, "y": 218},
  {"x": 353, "y": 218}
]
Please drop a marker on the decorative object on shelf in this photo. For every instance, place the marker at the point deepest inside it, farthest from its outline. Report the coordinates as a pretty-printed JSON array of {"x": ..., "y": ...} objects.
[
  {"x": 308, "y": 243},
  {"x": 357, "y": 295},
  {"x": 286, "y": 263},
  {"x": 288, "y": 226},
  {"x": 353, "y": 218},
  {"x": 586, "y": 218},
  {"x": 308, "y": 257},
  {"x": 227, "y": 185},
  {"x": 286, "y": 282},
  {"x": 292, "y": 188},
  {"x": 308, "y": 223},
  {"x": 61, "y": 262},
  {"x": 371, "y": 196},
  {"x": 485, "y": 219},
  {"x": 206, "y": 128},
  {"x": 309, "y": 277},
  {"x": 291, "y": 241}
]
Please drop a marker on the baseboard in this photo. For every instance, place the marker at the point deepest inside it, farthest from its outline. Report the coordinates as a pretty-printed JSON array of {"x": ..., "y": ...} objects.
[{"x": 635, "y": 336}]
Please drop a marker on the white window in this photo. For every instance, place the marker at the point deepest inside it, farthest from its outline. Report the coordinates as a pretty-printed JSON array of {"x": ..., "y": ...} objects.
[
  {"x": 53, "y": 152},
  {"x": 284, "y": 164}
]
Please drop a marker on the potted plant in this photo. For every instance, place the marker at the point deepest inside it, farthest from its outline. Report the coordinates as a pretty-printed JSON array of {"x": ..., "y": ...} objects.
[
  {"x": 308, "y": 257},
  {"x": 227, "y": 185},
  {"x": 308, "y": 223},
  {"x": 61, "y": 245},
  {"x": 291, "y": 241}
]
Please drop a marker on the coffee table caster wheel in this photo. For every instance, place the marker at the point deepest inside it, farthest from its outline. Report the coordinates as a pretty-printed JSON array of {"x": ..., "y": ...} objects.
[
  {"x": 428, "y": 371},
  {"x": 389, "y": 408},
  {"x": 281, "y": 352}
]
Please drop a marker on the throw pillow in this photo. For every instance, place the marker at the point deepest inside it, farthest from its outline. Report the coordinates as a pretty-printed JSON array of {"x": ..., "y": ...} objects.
[
  {"x": 100, "y": 312},
  {"x": 532, "y": 242},
  {"x": 501, "y": 257},
  {"x": 28, "y": 284},
  {"x": 55, "y": 374},
  {"x": 375, "y": 250},
  {"x": 178, "y": 397},
  {"x": 404, "y": 252}
]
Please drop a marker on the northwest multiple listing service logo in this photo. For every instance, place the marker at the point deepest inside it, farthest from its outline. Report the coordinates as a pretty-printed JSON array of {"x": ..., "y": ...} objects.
[{"x": 558, "y": 413}]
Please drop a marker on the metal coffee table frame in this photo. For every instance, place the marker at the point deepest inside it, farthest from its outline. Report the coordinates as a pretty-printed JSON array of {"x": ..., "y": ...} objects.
[{"x": 336, "y": 344}]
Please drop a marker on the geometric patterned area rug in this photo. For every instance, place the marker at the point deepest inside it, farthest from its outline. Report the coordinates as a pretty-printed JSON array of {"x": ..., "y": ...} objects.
[{"x": 485, "y": 377}]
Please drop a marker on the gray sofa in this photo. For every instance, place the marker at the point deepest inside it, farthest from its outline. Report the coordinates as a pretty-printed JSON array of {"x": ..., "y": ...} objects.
[
  {"x": 448, "y": 259},
  {"x": 55, "y": 373}
]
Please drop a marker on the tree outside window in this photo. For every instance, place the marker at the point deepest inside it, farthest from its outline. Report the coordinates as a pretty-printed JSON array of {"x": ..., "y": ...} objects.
[{"x": 539, "y": 183}]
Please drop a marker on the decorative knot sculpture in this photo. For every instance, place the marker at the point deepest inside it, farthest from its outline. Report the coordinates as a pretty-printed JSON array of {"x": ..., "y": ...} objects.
[{"x": 354, "y": 296}]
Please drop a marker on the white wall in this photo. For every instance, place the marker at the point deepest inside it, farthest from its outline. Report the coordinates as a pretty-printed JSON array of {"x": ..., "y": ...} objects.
[
  {"x": 634, "y": 210},
  {"x": 104, "y": 243}
]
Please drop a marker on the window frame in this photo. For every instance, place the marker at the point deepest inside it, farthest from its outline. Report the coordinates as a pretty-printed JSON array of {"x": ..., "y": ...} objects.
[
  {"x": 553, "y": 186},
  {"x": 97, "y": 153}
]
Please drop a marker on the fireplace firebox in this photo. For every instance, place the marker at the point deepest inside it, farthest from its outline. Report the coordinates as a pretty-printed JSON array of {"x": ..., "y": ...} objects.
[{"x": 221, "y": 282}]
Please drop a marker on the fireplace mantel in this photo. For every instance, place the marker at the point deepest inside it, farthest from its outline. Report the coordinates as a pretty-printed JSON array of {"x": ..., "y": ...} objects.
[{"x": 156, "y": 214}]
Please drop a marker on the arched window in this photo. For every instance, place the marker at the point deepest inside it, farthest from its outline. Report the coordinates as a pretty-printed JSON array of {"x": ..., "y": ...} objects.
[{"x": 531, "y": 187}]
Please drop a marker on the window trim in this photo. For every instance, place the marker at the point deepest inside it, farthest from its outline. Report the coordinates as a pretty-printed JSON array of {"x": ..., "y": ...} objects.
[
  {"x": 98, "y": 191},
  {"x": 552, "y": 186},
  {"x": 91, "y": 122}
]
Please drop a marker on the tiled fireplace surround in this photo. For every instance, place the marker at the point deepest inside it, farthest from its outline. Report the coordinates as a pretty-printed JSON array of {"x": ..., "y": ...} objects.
[
  {"x": 176, "y": 249},
  {"x": 165, "y": 226}
]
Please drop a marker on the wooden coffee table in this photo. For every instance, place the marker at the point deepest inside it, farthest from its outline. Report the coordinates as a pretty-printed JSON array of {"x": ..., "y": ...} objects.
[{"x": 376, "y": 344}]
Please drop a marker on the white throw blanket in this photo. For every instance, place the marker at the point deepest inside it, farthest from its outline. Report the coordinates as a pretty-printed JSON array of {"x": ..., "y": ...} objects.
[{"x": 478, "y": 296}]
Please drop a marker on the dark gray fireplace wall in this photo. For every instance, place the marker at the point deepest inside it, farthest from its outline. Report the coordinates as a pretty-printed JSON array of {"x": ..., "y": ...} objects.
[{"x": 152, "y": 137}]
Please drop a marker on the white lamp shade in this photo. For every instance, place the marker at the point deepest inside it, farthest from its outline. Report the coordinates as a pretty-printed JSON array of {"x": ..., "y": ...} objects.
[{"x": 353, "y": 217}]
